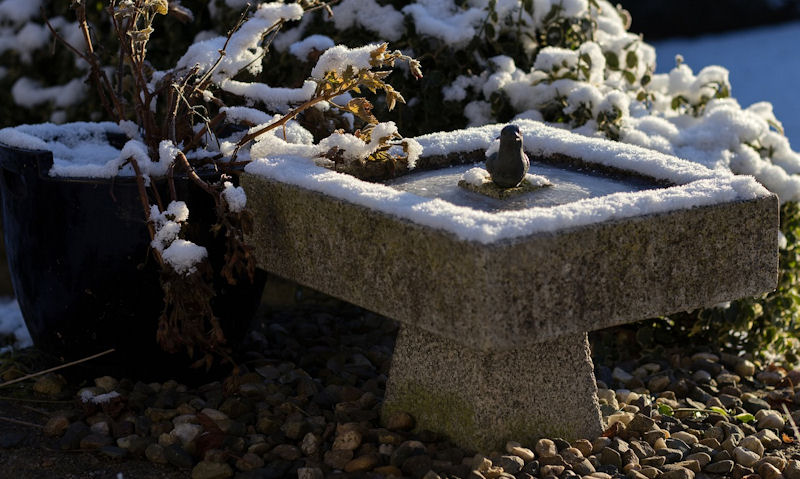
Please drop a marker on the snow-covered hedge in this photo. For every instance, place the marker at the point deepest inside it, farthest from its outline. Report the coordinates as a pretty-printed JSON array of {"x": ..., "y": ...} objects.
[{"x": 571, "y": 63}]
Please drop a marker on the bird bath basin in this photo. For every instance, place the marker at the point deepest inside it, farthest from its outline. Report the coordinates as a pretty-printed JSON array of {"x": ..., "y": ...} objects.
[
  {"x": 495, "y": 303},
  {"x": 568, "y": 185}
]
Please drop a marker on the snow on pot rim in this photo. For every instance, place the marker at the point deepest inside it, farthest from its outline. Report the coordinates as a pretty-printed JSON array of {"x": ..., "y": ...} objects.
[
  {"x": 693, "y": 185},
  {"x": 84, "y": 150}
]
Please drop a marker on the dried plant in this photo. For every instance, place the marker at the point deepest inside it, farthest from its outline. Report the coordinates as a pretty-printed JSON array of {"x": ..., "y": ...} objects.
[{"x": 178, "y": 114}]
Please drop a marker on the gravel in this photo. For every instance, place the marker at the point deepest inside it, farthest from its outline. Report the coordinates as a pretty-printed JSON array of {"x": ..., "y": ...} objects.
[{"x": 306, "y": 401}]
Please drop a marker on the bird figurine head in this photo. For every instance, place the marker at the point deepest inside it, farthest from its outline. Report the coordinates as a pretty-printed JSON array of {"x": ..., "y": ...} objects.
[{"x": 509, "y": 165}]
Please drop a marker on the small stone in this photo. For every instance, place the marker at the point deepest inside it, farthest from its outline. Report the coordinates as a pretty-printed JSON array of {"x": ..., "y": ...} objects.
[
  {"x": 310, "y": 444},
  {"x": 417, "y": 466},
  {"x": 658, "y": 383},
  {"x": 611, "y": 457},
  {"x": 641, "y": 423},
  {"x": 769, "y": 439},
  {"x": 114, "y": 452},
  {"x": 50, "y": 385},
  {"x": 702, "y": 458},
  {"x": 387, "y": 471},
  {"x": 510, "y": 464},
  {"x": 744, "y": 457},
  {"x": 650, "y": 472},
  {"x": 753, "y": 404},
  {"x": 155, "y": 453},
  {"x": 249, "y": 462},
  {"x": 769, "y": 419},
  {"x": 523, "y": 453},
  {"x": 642, "y": 449},
  {"x": 400, "y": 421},
  {"x": 583, "y": 445},
  {"x": 362, "y": 463},
  {"x": 106, "y": 383},
  {"x": 719, "y": 467},
  {"x": 792, "y": 470},
  {"x": 316, "y": 473},
  {"x": 653, "y": 435},
  {"x": 752, "y": 443},
  {"x": 739, "y": 471},
  {"x": 73, "y": 435},
  {"x": 671, "y": 455},
  {"x": 551, "y": 470},
  {"x": 95, "y": 441},
  {"x": 348, "y": 440},
  {"x": 583, "y": 467},
  {"x": 337, "y": 459},
  {"x": 287, "y": 452},
  {"x": 56, "y": 426},
  {"x": 745, "y": 368},
  {"x": 178, "y": 457},
  {"x": 770, "y": 378},
  {"x": 679, "y": 473},
  {"x": 134, "y": 444},
  {"x": 654, "y": 461},
  {"x": 777, "y": 461},
  {"x": 686, "y": 437},
  {"x": 599, "y": 444},
  {"x": 211, "y": 470},
  {"x": 545, "y": 448},
  {"x": 768, "y": 471}
]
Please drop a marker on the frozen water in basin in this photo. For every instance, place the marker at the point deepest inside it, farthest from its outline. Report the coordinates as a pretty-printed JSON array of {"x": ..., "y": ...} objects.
[{"x": 568, "y": 185}]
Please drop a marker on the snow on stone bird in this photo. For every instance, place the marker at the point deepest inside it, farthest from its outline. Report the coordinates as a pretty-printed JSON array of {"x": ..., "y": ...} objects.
[{"x": 509, "y": 165}]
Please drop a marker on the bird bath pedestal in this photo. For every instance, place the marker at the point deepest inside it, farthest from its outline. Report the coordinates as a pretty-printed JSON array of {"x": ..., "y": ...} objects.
[{"x": 495, "y": 307}]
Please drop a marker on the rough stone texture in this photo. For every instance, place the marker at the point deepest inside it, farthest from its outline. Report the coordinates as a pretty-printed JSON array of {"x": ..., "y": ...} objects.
[
  {"x": 493, "y": 343},
  {"x": 482, "y": 400},
  {"x": 504, "y": 295}
]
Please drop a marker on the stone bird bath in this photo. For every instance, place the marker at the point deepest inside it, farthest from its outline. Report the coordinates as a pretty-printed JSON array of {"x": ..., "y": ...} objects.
[{"x": 495, "y": 303}]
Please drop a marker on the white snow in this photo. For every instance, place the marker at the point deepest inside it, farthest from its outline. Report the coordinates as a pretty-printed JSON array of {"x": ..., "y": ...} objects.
[
  {"x": 273, "y": 98},
  {"x": 695, "y": 185},
  {"x": 244, "y": 47},
  {"x": 304, "y": 47},
  {"x": 234, "y": 196},
  {"x": 339, "y": 58},
  {"x": 88, "y": 396},
  {"x": 81, "y": 149},
  {"x": 29, "y": 93},
  {"x": 762, "y": 63},
  {"x": 384, "y": 20},
  {"x": 13, "y": 325},
  {"x": 184, "y": 256}
]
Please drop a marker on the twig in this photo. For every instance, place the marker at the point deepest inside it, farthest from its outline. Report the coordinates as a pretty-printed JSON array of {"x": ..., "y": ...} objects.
[
  {"x": 21, "y": 423},
  {"x": 195, "y": 177},
  {"x": 791, "y": 422},
  {"x": 46, "y": 371},
  {"x": 42, "y": 401}
]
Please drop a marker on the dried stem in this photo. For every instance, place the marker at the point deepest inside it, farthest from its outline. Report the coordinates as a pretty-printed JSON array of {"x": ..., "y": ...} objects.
[{"x": 57, "y": 368}]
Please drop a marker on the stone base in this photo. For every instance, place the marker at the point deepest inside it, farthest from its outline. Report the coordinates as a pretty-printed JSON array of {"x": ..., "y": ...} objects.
[
  {"x": 480, "y": 400},
  {"x": 489, "y": 188}
]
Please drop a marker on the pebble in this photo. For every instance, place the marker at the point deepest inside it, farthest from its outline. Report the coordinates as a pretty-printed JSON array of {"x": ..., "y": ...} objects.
[
  {"x": 50, "y": 385},
  {"x": 211, "y": 470},
  {"x": 720, "y": 467},
  {"x": 545, "y": 448},
  {"x": 523, "y": 453},
  {"x": 56, "y": 425},
  {"x": 306, "y": 416},
  {"x": 769, "y": 419},
  {"x": 362, "y": 463},
  {"x": 744, "y": 457}
]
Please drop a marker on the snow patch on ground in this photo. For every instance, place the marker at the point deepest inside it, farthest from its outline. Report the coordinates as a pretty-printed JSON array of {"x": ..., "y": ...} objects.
[{"x": 12, "y": 325}]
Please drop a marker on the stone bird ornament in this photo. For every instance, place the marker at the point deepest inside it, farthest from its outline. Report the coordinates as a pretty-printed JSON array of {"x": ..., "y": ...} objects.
[{"x": 509, "y": 165}]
